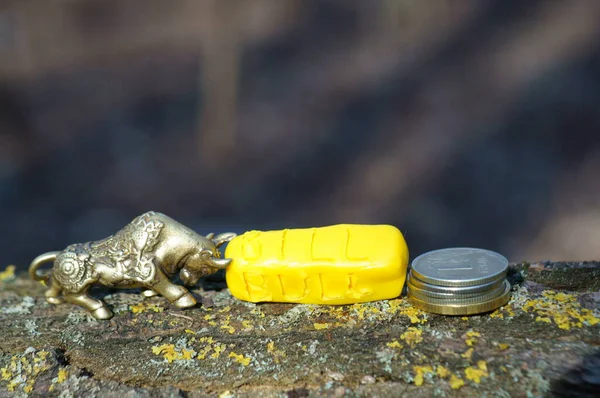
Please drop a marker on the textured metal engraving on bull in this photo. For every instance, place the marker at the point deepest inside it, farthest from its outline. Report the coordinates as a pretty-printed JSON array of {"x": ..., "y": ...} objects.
[
  {"x": 339, "y": 264},
  {"x": 146, "y": 253}
]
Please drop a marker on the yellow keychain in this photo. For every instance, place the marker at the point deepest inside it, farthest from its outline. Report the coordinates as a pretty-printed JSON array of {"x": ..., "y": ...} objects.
[{"x": 340, "y": 264}]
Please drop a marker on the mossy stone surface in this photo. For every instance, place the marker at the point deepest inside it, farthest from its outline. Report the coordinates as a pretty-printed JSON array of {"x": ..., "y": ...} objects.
[{"x": 226, "y": 347}]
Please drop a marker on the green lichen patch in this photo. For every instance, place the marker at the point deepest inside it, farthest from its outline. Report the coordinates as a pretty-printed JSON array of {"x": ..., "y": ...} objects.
[{"x": 23, "y": 307}]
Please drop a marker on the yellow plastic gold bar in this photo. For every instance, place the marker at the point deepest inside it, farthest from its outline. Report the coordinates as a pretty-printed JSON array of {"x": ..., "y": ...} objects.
[{"x": 339, "y": 264}]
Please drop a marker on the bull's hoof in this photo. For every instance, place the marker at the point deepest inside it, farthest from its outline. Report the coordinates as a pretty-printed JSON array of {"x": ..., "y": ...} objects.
[
  {"x": 149, "y": 293},
  {"x": 102, "y": 313},
  {"x": 55, "y": 300},
  {"x": 185, "y": 301}
]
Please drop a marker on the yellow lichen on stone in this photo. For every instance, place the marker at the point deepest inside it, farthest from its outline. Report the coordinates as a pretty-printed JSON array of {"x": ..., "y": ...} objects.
[
  {"x": 204, "y": 352},
  {"x": 187, "y": 354},
  {"x": 257, "y": 311},
  {"x": 394, "y": 305},
  {"x": 63, "y": 374},
  {"x": 8, "y": 273},
  {"x": 320, "y": 326},
  {"x": 400, "y": 306},
  {"x": 476, "y": 373},
  {"x": 240, "y": 358},
  {"x": 41, "y": 356},
  {"x": 218, "y": 349},
  {"x": 172, "y": 353},
  {"x": 12, "y": 386},
  {"x": 412, "y": 336},
  {"x": 414, "y": 314},
  {"x": 442, "y": 371},
  {"x": 562, "y": 309},
  {"x": 394, "y": 344},
  {"x": 467, "y": 354},
  {"x": 421, "y": 371},
  {"x": 385, "y": 310},
  {"x": 456, "y": 382},
  {"x": 144, "y": 307},
  {"x": 6, "y": 374},
  {"x": 337, "y": 312},
  {"x": 482, "y": 365},
  {"x": 277, "y": 354},
  {"x": 497, "y": 314},
  {"x": 500, "y": 312},
  {"x": 361, "y": 309},
  {"x": 23, "y": 370},
  {"x": 210, "y": 318},
  {"x": 247, "y": 325},
  {"x": 227, "y": 326},
  {"x": 472, "y": 338}
]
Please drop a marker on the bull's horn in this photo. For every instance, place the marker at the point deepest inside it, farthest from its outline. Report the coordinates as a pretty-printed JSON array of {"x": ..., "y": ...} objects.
[
  {"x": 219, "y": 263},
  {"x": 224, "y": 237},
  {"x": 210, "y": 236}
]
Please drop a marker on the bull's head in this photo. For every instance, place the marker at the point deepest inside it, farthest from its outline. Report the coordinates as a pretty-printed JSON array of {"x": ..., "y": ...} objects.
[{"x": 207, "y": 260}]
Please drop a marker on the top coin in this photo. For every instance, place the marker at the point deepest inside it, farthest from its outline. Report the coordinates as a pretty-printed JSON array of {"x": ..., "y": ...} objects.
[{"x": 459, "y": 266}]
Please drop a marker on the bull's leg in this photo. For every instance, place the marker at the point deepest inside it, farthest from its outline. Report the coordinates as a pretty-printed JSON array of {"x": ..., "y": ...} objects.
[
  {"x": 96, "y": 307},
  {"x": 53, "y": 292},
  {"x": 177, "y": 295}
]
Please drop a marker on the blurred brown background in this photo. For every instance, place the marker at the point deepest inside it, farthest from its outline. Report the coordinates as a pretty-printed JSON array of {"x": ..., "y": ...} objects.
[{"x": 472, "y": 123}]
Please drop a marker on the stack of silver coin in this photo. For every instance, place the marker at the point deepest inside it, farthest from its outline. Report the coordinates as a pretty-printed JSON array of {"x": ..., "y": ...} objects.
[{"x": 458, "y": 281}]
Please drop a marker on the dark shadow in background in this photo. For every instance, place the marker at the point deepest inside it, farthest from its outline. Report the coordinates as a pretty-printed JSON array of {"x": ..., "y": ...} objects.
[{"x": 107, "y": 168}]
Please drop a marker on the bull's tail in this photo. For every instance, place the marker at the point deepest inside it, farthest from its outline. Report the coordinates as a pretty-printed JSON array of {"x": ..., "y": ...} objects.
[{"x": 37, "y": 263}]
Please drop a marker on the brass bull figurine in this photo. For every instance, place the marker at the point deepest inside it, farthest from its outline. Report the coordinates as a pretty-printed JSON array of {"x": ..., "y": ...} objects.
[{"x": 146, "y": 253}]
